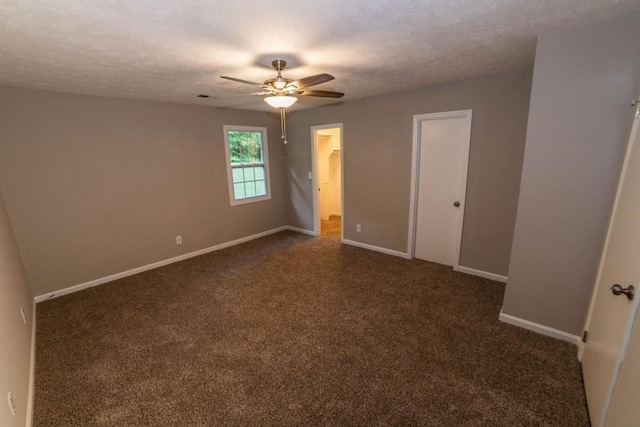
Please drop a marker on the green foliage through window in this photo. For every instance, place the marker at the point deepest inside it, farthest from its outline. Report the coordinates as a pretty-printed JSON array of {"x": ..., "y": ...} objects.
[{"x": 245, "y": 147}]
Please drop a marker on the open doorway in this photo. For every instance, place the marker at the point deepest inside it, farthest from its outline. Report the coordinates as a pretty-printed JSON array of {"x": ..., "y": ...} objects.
[{"x": 327, "y": 155}]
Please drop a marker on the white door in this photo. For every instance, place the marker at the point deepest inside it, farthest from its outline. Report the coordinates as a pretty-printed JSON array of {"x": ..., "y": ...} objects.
[
  {"x": 443, "y": 154},
  {"x": 625, "y": 410},
  {"x": 335, "y": 202},
  {"x": 324, "y": 149},
  {"x": 324, "y": 200},
  {"x": 610, "y": 319}
]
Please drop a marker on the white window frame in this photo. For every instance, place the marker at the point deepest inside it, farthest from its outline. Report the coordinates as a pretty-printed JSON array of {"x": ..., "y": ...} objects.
[{"x": 265, "y": 156}]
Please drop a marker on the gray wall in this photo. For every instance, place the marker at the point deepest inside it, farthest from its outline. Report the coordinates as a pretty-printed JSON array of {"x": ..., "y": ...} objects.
[
  {"x": 96, "y": 186},
  {"x": 15, "y": 336},
  {"x": 579, "y": 123},
  {"x": 377, "y": 171}
]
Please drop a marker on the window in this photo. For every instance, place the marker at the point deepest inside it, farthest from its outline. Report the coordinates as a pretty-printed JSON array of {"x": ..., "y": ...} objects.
[{"x": 247, "y": 164}]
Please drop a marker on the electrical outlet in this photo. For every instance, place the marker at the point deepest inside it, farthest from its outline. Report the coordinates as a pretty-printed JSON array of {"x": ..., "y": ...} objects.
[
  {"x": 358, "y": 228},
  {"x": 24, "y": 316},
  {"x": 310, "y": 175},
  {"x": 178, "y": 240},
  {"x": 12, "y": 404}
]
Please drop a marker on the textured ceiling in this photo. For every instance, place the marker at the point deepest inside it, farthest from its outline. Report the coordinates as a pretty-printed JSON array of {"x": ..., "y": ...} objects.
[{"x": 173, "y": 50}]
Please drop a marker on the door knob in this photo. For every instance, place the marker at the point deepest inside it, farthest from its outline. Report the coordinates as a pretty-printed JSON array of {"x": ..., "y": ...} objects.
[
  {"x": 456, "y": 203},
  {"x": 629, "y": 291}
]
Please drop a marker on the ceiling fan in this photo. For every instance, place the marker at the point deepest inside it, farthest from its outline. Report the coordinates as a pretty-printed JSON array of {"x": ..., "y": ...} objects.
[{"x": 280, "y": 90}]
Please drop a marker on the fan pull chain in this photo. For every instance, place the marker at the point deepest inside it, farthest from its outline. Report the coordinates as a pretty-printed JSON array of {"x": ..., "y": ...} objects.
[{"x": 283, "y": 125}]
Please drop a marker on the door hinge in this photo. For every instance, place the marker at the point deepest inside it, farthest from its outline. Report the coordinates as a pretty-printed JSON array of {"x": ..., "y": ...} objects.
[{"x": 584, "y": 336}]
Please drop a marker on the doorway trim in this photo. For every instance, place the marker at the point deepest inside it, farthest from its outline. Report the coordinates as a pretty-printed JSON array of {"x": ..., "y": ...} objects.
[
  {"x": 415, "y": 159},
  {"x": 314, "y": 177}
]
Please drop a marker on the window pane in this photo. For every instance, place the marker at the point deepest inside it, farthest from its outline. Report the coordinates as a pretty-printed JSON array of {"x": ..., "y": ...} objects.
[
  {"x": 248, "y": 174},
  {"x": 259, "y": 172},
  {"x": 255, "y": 147},
  {"x": 237, "y": 175},
  {"x": 250, "y": 189},
  {"x": 238, "y": 191},
  {"x": 261, "y": 188},
  {"x": 235, "y": 155},
  {"x": 258, "y": 153},
  {"x": 245, "y": 147}
]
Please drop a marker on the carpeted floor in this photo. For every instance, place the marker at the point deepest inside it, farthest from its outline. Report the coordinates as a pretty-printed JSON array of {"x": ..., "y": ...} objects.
[
  {"x": 332, "y": 227},
  {"x": 294, "y": 330}
]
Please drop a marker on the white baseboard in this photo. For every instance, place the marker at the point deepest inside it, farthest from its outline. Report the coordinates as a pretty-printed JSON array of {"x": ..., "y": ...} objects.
[
  {"x": 483, "y": 274},
  {"x": 376, "y": 248},
  {"x": 32, "y": 366},
  {"x": 580, "y": 350},
  {"x": 541, "y": 329},
  {"x": 300, "y": 230},
  {"x": 162, "y": 263}
]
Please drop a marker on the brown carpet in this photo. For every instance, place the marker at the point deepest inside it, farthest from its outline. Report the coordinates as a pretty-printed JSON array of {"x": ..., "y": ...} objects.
[
  {"x": 331, "y": 227},
  {"x": 294, "y": 330}
]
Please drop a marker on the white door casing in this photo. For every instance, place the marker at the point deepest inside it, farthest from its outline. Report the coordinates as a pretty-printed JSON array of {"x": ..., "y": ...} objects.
[
  {"x": 611, "y": 317},
  {"x": 439, "y": 179}
]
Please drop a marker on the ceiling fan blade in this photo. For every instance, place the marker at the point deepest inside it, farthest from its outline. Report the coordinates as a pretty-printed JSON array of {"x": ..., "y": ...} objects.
[
  {"x": 246, "y": 94},
  {"x": 321, "y": 93},
  {"x": 312, "y": 80},
  {"x": 241, "y": 81}
]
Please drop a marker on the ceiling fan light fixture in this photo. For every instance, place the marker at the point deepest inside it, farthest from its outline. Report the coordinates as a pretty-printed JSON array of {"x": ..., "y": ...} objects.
[
  {"x": 280, "y": 101},
  {"x": 280, "y": 90}
]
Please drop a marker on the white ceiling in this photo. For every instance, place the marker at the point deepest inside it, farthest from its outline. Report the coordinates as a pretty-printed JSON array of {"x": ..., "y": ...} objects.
[{"x": 173, "y": 50}]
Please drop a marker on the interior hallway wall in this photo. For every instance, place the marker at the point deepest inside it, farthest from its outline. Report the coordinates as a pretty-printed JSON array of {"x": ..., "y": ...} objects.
[
  {"x": 376, "y": 145},
  {"x": 96, "y": 186},
  {"x": 335, "y": 190},
  {"x": 15, "y": 335},
  {"x": 579, "y": 125},
  {"x": 335, "y": 198},
  {"x": 323, "y": 151}
]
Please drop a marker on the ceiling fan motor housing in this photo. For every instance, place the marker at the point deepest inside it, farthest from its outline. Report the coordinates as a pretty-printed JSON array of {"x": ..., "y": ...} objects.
[
  {"x": 279, "y": 84},
  {"x": 279, "y": 64}
]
